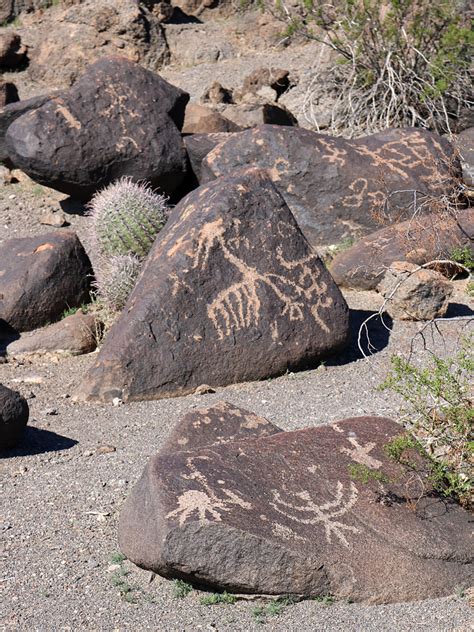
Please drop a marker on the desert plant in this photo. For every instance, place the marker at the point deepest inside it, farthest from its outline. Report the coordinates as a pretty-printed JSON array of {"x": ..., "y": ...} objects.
[
  {"x": 440, "y": 415},
  {"x": 398, "y": 63},
  {"x": 126, "y": 218}
]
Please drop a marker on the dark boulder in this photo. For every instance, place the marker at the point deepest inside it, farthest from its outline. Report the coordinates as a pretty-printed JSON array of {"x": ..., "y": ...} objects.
[
  {"x": 337, "y": 187},
  {"x": 40, "y": 277},
  {"x": 13, "y": 417},
  {"x": 117, "y": 120},
  {"x": 231, "y": 291},
  {"x": 319, "y": 511}
]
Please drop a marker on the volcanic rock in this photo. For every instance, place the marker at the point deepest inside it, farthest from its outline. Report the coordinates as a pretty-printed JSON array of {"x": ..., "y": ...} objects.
[
  {"x": 118, "y": 120},
  {"x": 13, "y": 417},
  {"x": 337, "y": 187},
  {"x": 201, "y": 120},
  {"x": 40, "y": 277},
  {"x": 197, "y": 148},
  {"x": 419, "y": 241},
  {"x": 465, "y": 144},
  {"x": 231, "y": 291},
  {"x": 319, "y": 511}
]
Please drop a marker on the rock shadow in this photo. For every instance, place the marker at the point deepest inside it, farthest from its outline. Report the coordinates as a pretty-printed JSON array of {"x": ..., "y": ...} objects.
[
  {"x": 180, "y": 17},
  {"x": 7, "y": 335},
  {"x": 38, "y": 441},
  {"x": 72, "y": 206},
  {"x": 455, "y": 310},
  {"x": 374, "y": 336}
]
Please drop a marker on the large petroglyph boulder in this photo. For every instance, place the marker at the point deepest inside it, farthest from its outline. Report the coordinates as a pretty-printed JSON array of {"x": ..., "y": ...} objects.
[
  {"x": 118, "y": 120},
  {"x": 40, "y": 277},
  {"x": 337, "y": 187},
  {"x": 230, "y": 292},
  {"x": 313, "y": 512},
  {"x": 419, "y": 240}
]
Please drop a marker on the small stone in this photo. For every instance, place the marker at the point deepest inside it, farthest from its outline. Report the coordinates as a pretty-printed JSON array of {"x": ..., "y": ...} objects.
[
  {"x": 204, "y": 389},
  {"x": 87, "y": 453},
  {"x": 50, "y": 411},
  {"x": 117, "y": 401},
  {"x": 53, "y": 218},
  {"x": 106, "y": 449},
  {"x": 29, "y": 379}
]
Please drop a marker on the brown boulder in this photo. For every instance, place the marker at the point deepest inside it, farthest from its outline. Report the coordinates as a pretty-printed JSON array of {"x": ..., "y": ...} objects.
[
  {"x": 40, "y": 277},
  {"x": 275, "y": 78},
  {"x": 417, "y": 241},
  {"x": 313, "y": 512},
  {"x": 201, "y": 120},
  {"x": 255, "y": 113},
  {"x": 217, "y": 94},
  {"x": 337, "y": 187},
  {"x": 231, "y": 291},
  {"x": 73, "y": 335},
  {"x": 118, "y": 120}
]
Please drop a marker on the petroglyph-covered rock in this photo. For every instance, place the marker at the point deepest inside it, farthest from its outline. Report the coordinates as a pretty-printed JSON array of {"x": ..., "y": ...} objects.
[
  {"x": 419, "y": 240},
  {"x": 465, "y": 144},
  {"x": 118, "y": 120},
  {"x": 14, "y": 414},
  {"x": 230, "y": 292},
  {"x": 337, "y": 187},
  {"x": 40, "y": 277},
  {"x": 197, "y": 148},
  {"x": 313, "y": 512}
]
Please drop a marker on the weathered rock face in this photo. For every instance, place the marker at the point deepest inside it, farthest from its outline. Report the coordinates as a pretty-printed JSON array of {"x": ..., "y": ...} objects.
[
  {"x": 465, "y": 144},
  {"x": 414, "y": 294},
  {"x": 202, "y": 120},
  {"x": 230, "y": 292},
  {"x": 74, "y": 335},
  {"x": 118, "y": 119},
  {"x": 12, "y": 52},
  {"x": 197, "y": 148},
  {"x": 313, "y": 512},
  {"x": 40, "y": 277},
  {"x": 10, "y": 9},
  {"x": 275, "y": 78},
  {"x": 66, "y": 41},
  {"x": 13, "y": 417},
  {"x": 12, "y": 111},
  {"x": 337, "y": 187},
  {"x": 417, "y": 241},
  {"x": 257, "y": 113}
]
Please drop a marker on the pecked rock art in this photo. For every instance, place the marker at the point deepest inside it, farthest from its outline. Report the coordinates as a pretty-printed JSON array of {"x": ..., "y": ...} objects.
[
  {"x": 316, "y": 511},
  {"x": 117, "y": 120},
  {"x": 336, "y": 187},
  {"x": 231, "y": 292}
]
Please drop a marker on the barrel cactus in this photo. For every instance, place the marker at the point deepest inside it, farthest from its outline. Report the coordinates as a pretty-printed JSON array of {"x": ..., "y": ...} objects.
[{"x": 126, "y": 218}]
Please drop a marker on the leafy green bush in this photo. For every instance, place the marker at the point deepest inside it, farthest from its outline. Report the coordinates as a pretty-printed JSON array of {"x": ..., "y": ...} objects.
[
  {"x": 398, "y": 63},
  {"x": 440, "y": 414}
]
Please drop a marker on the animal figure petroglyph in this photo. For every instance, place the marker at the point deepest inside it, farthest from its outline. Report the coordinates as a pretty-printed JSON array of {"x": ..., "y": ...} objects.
[
  {"x": 238, "y": 306},
  {"x": 360, "y": 453},
  {"x": 204, "y": 502},
  {"x": 303, "y": 510}
]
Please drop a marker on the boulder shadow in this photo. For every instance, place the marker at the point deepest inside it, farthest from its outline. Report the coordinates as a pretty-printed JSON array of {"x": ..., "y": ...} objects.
[
  {"x": 72, "y": 206},
  {"x": 7, "y": 335},
  {"x": 369, "y": 329},
  {"x": 37, "y": 441},
  {"x": 455, "y": 310},
  {"x": 180, "y": 17}
]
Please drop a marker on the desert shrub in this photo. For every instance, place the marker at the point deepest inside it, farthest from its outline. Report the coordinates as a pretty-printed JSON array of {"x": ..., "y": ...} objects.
[
  {"x": 126, "y": 218},
  {"x": 440, "y": 414},
  {"x": 398, "y": 63}
]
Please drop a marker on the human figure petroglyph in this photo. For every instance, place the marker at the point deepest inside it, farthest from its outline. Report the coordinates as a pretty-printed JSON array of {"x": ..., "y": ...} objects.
[
  {"x": 238, "y": 306},
  {"x": 204, "y": 502},
  {"x": 324, "y": 514},
  {"x": 360, "y": 453}
]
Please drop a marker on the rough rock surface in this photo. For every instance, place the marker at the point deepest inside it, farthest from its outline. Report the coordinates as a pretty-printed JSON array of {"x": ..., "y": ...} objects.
[
  {"x": 465, "y": 145},
  {"x": 256, "y": 113},
  {"x": 10, "y": 9},
  {"x": 197, "y": 148},
  {"x": 231, "y": 291},
  {"x": 199, "y": 119},
  {"x": 74, "y": 335},
  {"x": 66, "y": 41},
  {"x": 40, "y": 277},
  {"x": 12, "y": 111},
  {"x": 419, "y": 241},
  {"x": 337, "y": 187},
  {"x": 118, "y": 119},
  {"x": 312, "y": 512},
  {"x": 13, "y": 417},
  {"x": 414, "y": 294}
]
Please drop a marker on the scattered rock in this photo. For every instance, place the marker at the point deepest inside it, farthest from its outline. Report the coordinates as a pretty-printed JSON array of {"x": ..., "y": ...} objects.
[
  {"x": 8, "y": 93},
  {"x": 418, "y": 241},
  {"x": 5, "y": 175},
  {"x": 12, "y": 52},
  {"x": 12, "y": 111},
  {"x": 230, "y": 292},
  {"x": 74, "y": 335},
  {"x": 275, "y": 78},
  {"x": 220, "y": 423},
  {"x": 66, "y": 42},
  {"x": 337, "y": 187},
  {"x": 10, "y": 9},
  {"x": 414, "y": 294},
  {"x": 118, "y": 119},
  {"x": 320, "y": 511},
  {"x": 217, "y": 94},
  {"x": 53, "y": 218},
  {"x": 201, "y": 120},
  {"x": 204, "y": 389},
  {"x": 252, "y": 114},
  {"x": 13, "y": 417},
  {"x": 465, "y": 145},
  {"x": 40, "y": 277}
]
